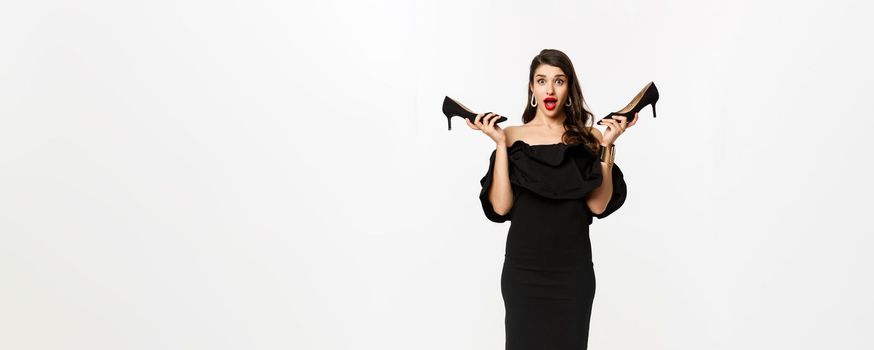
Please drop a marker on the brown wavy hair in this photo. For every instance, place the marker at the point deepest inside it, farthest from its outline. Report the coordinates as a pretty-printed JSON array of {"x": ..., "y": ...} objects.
[{"x": 578, "y": 117}]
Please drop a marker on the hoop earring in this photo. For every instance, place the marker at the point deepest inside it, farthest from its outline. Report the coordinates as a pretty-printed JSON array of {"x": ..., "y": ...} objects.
[
  {"x": 568, "y": 104},
  {"x": 533, "y": 103}
]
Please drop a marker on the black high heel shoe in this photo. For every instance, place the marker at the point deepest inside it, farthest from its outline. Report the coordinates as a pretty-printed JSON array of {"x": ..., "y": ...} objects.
[
  {"x": 649, "y": 95},
  {"x": 452, "y": 108}
]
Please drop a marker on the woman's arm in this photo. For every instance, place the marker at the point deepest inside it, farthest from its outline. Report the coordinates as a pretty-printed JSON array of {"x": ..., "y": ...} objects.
[
  {"x": 598, "y": 199},
  {"x": 500, "y": 193}
]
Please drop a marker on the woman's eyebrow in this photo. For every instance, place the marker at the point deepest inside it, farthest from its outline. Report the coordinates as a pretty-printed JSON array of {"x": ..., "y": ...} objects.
[{"x": 558, "y": 75}]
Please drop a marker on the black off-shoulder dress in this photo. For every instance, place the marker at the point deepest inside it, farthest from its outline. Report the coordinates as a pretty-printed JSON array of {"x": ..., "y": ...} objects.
[{"x": 548, "y": 279}]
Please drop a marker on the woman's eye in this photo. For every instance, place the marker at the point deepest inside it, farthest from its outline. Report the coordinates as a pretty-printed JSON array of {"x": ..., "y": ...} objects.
[{"x": 560, "y": 82}]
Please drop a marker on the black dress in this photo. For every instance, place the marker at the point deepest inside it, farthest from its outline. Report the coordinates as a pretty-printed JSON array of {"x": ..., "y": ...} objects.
[{"x": 548, "y": 280}]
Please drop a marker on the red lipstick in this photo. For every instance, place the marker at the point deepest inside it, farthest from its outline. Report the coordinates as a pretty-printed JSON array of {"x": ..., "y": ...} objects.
[{"x": 549, "y": 102}]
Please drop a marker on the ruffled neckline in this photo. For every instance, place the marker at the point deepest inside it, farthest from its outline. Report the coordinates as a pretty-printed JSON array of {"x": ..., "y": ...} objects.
[
  {"x": 522, "y": 142},
  {"x": 550, "y": 153},
  {"x": 554, "y": 171}
]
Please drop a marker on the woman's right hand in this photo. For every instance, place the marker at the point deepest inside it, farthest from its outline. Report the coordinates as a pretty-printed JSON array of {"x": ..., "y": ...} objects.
[{"x": 486, "y": 123}]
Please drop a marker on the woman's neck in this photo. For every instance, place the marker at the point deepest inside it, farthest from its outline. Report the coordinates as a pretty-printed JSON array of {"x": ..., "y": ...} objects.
[{"x": 542, "y": 120}]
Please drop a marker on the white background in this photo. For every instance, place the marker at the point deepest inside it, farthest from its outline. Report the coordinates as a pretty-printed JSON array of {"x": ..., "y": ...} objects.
[{"x": 274, "y": 175}]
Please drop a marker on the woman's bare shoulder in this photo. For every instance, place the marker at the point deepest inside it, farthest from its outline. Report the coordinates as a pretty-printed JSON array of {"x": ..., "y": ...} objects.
[{"x": 513, "y": 133}]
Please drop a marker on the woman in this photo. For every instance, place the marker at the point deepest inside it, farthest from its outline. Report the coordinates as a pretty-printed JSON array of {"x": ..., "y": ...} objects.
[{"x": 550, "y": 177}]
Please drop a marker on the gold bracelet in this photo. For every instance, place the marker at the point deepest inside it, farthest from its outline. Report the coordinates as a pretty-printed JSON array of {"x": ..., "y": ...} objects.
[{"x": 607, "y": 153}]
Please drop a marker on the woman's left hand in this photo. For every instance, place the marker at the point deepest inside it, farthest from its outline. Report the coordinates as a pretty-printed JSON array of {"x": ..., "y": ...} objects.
[{"x": 615, "y": 127}]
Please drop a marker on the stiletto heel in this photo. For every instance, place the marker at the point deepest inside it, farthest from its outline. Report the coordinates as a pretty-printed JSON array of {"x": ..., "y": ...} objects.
[
  {"x": 648, "y": 95},
  {"x": 452, "y": 108}
]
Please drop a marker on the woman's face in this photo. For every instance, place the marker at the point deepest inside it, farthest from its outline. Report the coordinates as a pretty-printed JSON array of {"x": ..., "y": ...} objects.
[{"x": 550, "y": 89}]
